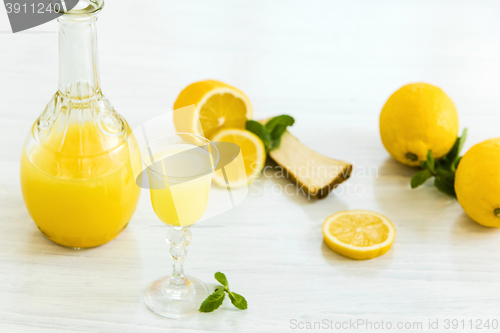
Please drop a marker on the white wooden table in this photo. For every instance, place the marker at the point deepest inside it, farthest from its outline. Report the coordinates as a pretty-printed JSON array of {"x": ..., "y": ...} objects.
[{"x": 331, "y": 65}]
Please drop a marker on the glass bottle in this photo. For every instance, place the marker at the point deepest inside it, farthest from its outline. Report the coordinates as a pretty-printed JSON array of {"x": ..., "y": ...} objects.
[{"x": 76, "y": 165}]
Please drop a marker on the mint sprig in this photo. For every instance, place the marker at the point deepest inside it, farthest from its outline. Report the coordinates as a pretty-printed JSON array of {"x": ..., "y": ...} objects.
[
  {"x": 214, "y": 301},
  {"x": 443, "y": 170},
  {"x": 238, "y": 301},
  {"x": 271, "y": 132}
]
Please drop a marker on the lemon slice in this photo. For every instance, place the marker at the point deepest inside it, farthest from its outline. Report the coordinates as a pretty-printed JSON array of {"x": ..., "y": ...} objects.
[
  {"x": 253, "y": 155},
  {"x": 359, "y": 234},
  {"x": 217, "y": 106}
]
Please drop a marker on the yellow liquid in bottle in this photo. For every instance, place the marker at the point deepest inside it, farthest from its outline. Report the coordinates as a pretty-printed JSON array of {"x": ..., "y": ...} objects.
[
  {"x": 79, "y": 201},
  {"x": 180, "y": 200}
]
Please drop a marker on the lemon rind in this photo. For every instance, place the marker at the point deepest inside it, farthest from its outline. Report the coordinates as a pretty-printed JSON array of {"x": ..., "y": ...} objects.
[
  {"x": 365, "y": 249},
  {"x": 261, "y": 151}
]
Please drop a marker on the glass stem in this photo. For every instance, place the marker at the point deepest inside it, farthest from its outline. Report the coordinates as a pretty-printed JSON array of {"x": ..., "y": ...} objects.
[{"x": 177, "y": 285}]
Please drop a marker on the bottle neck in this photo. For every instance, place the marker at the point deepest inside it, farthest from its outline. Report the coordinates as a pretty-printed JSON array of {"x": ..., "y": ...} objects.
[{"x": 78, "y": 60}]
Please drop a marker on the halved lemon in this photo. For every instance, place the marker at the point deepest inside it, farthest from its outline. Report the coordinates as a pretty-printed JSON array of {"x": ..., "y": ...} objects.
[
  {"x": 216, "y": 106},
  {"x": 359, "y": 234},
  {"x": 248, "y": 165}
]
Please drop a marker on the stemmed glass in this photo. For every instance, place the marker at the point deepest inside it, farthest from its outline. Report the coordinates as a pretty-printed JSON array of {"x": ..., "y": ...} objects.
[{"x": 179, "y": 168}]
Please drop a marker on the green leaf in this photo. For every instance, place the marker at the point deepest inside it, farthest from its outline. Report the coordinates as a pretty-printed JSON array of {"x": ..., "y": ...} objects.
[
  {"x": 430, "y": 162},
  {"x": 461, "y": 141},
  {"x": 420, "y": 177},
  {"x": 271, "y": 132},
  {"x": 258, "y": 129},
  {"x": 222, "y": 279},
  {"x": 276, "y": 127},
  {"x": 445, "y": 186},
  {"x": 238, "y": 301},
  {"x": 442, "y": 169},
  {"x": 275, "y": 144},
  {"x": 212, "y": 302},
  {"x": 275, "y": 123},
  {"x": 449, "y": 160},
  {"x": 446, "y": 175}
]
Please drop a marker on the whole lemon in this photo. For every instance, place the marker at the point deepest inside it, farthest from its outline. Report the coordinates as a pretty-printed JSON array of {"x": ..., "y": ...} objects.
[
  {"x": 477, "y": 183},
  {"x": 416, "y": 118}
]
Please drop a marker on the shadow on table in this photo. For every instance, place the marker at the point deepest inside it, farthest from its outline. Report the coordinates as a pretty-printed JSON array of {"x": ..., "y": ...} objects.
[
  {"x": 357, "y": 267},
  {"x": 41, "y": 245},
  {"x": 226, "y": 316},
  {"x": 473, "y": 251},
  {"x": 316, "y": 209},
  {"x": 105, "y": 277},
  {"x": 465, "y": 227},
  {"x": 404, "y": 206}
]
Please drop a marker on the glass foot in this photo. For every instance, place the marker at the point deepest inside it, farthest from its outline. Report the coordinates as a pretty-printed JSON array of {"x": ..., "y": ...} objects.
[{"x": 182, "y": 301}]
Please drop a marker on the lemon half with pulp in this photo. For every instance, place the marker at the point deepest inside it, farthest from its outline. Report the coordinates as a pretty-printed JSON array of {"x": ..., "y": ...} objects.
[
  {"x": 217, "y": 106},
  {"x": 249, "y": 163}
]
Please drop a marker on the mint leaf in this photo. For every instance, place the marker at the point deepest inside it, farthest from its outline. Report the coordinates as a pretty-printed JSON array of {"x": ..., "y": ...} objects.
[
  {"x": 212, "y": 302},
  {"x": 258, "y": 129},
  {"x": 459, "y": 144},
  {"x": 445, "y": 187},
  {"x": 276, "y": 127},
  {"x": 442, "y": 169},
  {"x": 431, "y": 163},
  {"x": 276, "y": 142},
  {"x": 238, "y": 301},
  {"x": 446, "y": 175},
  {"x": 222, "y": 279},
  {"x": 461, "y": 141},
  {"x": 270, "y": 133},
  {"x": 420, "y": 177},
  {"x": 450, "y": 160}
]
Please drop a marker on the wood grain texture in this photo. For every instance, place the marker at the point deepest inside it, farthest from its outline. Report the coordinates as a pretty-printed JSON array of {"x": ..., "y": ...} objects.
[{"x": 329, "y": 64}]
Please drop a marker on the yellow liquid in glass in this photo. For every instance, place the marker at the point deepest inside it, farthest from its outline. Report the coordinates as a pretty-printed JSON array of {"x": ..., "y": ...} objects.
[
  {"x": 79, "y": 201},
  {"x": 180, "y": 199}
]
